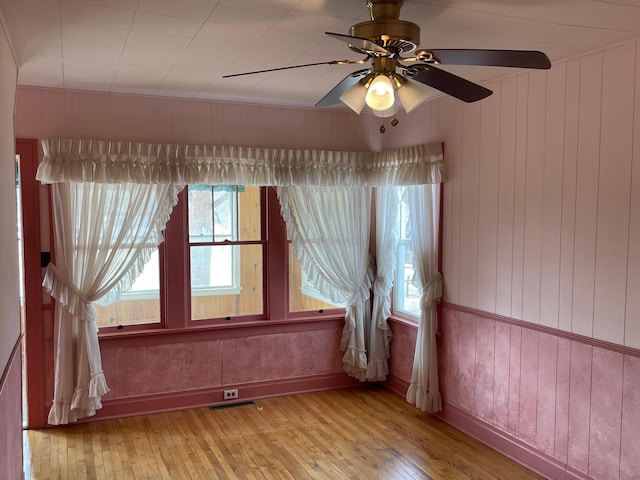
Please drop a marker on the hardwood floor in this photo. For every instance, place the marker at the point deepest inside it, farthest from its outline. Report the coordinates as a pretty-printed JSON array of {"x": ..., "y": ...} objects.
[{"x": 363, "y": 433}]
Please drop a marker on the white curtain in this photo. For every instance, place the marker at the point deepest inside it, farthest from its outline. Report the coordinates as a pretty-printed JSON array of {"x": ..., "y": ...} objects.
[
  {"x": 118, "y": 162},
  {"x": 387, "y": 211},
  {"x": 93, "y": 262},
  {"x": 424, "y": 214},
  {"x": 329, "y": 228},
  {"x": 104, "y": 234}
]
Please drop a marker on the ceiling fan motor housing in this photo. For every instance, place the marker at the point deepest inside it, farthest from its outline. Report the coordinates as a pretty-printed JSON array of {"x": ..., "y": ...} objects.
[{"x": 386, "y": 29}]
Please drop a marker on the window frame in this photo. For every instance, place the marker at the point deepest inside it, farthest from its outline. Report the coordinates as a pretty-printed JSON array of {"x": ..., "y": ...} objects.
[
  {"x": 107, "y": 330},
  {"x": 235, "y": 288},
  {"x": 402, "y": 243},
  {"x": 175, "y": 308},
  {"x": 394, "y": 297},
  {"x": 263, "y": 241},
  {"x": 175, "y": 295},
  {"x": 406, "y": 316}
]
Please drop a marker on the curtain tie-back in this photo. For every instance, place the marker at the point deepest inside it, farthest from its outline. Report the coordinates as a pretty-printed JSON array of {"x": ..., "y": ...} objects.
[
  {"x": 432, "y": 292},
  {"x": 382, "y": 285},
  {"x": 60, "y": 287},
  {"x": 362, "y": 291}
]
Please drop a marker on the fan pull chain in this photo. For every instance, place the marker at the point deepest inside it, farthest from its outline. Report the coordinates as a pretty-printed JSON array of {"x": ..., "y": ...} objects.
[{"x": 394, "y": 122}]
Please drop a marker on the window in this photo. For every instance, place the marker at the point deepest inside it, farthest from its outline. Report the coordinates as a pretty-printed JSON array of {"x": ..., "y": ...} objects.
[
  {"x": 407, "y": 289},
  {"x": 226, "y": 251},
  {"x": 212, "y": 266},
  {"x": 140, "y": 305},
  {"x": 303, "y": 296}
]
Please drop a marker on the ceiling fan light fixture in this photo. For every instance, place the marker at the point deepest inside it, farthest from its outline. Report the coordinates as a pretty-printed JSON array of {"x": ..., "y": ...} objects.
[
  {"x": 386, "y": 113},
  {"x": 380, "y": 94},
  {"x": 410, "y": 93},
  {"x": 354, "y": 96}
]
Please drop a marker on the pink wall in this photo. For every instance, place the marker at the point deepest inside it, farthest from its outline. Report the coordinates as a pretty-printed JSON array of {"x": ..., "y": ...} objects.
[
  {"x": 562, "y": 404},
  {"x": 184, "y": 369},
  {"x": 542, "y": 203},
  {"x": 159, "y": 371},
  {"x": 573, "y": 400},
  {"x": 9, "y": 294},
  {"x": 541, "y": 224},
  {"x": 10, "y": 380},
  {"x": 47, "y": 113},
  {"x": 11, "y": 418}
]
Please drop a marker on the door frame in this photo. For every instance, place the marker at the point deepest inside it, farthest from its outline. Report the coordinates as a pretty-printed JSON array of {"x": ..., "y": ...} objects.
[{"x": 33, "y": 274}]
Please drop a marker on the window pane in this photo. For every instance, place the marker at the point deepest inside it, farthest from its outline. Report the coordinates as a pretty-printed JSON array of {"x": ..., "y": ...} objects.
[
  {"x": 200, "y": 213},
  {"x": 141, "y": 304},
  {"x": 226, "y": 281},
  {"x": 302, "y": 295},
  {"x": 219, "y": 213},
  {"x": 406, "y": 289},
  {"x": 249, "y": 224}
]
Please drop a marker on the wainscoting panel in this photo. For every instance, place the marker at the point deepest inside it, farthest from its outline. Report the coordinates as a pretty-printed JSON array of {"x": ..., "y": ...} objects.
[
  {"x": 567, "y": 398},
  {"x": 162, "y": 372},
  {"x": 11, "y": 417}
]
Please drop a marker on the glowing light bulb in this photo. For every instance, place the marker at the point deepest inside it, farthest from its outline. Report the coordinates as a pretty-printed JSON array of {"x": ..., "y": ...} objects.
[{"x": 380, "y": 94}]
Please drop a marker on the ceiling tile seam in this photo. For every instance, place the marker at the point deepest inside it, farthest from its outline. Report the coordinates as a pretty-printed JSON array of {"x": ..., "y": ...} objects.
[{"x": 113, "y": 76}]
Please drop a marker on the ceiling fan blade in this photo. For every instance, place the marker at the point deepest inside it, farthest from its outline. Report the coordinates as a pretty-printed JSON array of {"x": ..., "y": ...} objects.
[
  {"x": 493, "y": 58},
  {"x": 360, "y": 44},
  {"x": 332, "y": 62},
  {"x": 333, "y": 97},
  {"x": 451, "y": 84}
]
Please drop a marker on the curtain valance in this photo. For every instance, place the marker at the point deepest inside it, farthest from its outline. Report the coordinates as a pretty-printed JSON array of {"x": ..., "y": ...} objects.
[{"x": 67, "y": 160}]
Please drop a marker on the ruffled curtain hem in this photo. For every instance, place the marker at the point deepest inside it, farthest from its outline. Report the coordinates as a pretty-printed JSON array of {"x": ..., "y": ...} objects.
[
  {"x": 98, "y": 386},
  {"x": 61, "y": 413},
  {"x": 377, "y": 370},
  {"x": 354, "y": 362},
  {"x": 84, "y": 403},
  {"x": 357, "y": 373},
  {"x": 425, "y": 400}
]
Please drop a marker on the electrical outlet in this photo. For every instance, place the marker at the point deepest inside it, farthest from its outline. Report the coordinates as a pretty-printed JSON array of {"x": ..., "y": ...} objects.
[{"x": 230, "y": 394}]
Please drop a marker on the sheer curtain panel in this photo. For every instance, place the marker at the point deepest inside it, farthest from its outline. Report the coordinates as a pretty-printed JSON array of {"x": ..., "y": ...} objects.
[
  {"x": 104, "y": 234},
  {"x": 102, "y": 244},
  {"x": 387, "y": 211},
  {"x": 424, "y": 215},
  {"x": 329, "y": 228}
]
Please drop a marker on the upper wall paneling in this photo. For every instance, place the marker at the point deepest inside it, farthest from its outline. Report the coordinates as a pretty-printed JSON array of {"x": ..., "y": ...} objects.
[
  {"x": 9, "y": 294},
  {"x": 48, "y": 113},
  {"x": 541, "y": 203},
  {"x": 506, "y": 194},
  {"x": 632, "y": 300},
  {"x": 489, "y": 176},
  {"x": 614, "y": 188}
]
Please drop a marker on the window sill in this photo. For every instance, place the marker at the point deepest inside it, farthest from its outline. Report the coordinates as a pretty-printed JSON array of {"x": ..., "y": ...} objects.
[
  {"x": 404, "y": 320},
  {"x": 225, "y": 328}
]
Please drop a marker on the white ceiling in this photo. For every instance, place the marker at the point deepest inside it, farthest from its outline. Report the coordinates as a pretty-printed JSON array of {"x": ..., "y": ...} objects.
[{"x": 181, "y": 48}]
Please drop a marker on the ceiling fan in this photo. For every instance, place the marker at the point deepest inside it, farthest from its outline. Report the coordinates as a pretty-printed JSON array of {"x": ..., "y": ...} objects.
[{"x": 390, "y": 46}]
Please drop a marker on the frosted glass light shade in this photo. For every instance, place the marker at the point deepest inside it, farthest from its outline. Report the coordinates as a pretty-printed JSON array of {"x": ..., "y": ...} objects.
[
  {"x": 380, "y": 94},
  {"x": 411, "y": 95},
  {"x": 354, "y": 97},
  {"x": 385, "y": 113}
]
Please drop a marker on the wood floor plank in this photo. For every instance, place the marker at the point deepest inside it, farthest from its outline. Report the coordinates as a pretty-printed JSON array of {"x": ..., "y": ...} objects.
[{"x": 360, "y": 433}]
